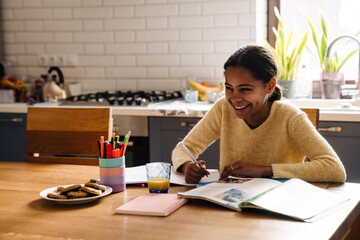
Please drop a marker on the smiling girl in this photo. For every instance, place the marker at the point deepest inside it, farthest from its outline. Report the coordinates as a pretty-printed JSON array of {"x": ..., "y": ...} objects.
[{"x": 260, "y": 136}]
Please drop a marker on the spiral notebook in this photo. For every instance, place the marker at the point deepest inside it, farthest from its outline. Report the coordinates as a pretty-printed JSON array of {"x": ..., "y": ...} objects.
[{"x": 153, "y": 204}]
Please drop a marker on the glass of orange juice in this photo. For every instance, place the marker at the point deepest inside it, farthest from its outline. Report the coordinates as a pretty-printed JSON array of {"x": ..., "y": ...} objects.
[{"x": 158, "y": 177}]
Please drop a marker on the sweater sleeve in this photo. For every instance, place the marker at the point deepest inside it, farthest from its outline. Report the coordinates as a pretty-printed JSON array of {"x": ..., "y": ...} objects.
[
  {"x": 323, "y": 166},
  {"x": 205, "y": 132}
]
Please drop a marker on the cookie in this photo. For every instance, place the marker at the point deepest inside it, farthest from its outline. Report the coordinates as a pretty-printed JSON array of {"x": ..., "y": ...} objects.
[
  {"x": 77, "y": 194},
  {"x": 91, "y": 190},
  {"x": 96, "y": 186},
  {"x": 56, "y": 195},
  {"x": 59, "y": 188},
  {"x": 70, "y": 188}
]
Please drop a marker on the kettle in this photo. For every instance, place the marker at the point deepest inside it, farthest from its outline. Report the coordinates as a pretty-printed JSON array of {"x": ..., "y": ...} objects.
[{"x": 53, "y": 89}]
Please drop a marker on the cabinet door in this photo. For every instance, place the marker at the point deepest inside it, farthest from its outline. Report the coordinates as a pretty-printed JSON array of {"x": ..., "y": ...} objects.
[
  {"x": 12, "y": 137},
  {"x": 346, "y": 144},
  {"x": 166, "y": 132}
]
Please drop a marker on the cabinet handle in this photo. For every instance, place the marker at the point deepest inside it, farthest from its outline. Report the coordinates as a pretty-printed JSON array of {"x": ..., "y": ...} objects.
[
  {"x": 331, "y": 129},
  {"x": 186, "y": 124},
  {"x": 11, "y": 120}
]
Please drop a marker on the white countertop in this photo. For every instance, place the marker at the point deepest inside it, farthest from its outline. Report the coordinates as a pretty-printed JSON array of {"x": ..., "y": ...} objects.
[{"x": 330, "y": 110}]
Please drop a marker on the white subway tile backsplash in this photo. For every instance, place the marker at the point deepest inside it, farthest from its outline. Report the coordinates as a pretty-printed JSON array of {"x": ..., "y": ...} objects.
[
  {"x": 33, "y": 13},
  {"x": 95, "y": 61},
  {"x": 124, "y": 36},
  {"x": 156, "y": 10},
  {"x": 31, "y": 3},
  {"x": 11, "y": 4},
  {"x": 35, "y": 48},
  {"x": 34, "y": 26},
  {"x": 68, "y": 48},
  {"x": 184, "y": 72},
  {"x": 126, "y": 85},
  {"x": 14, "y": 49},
  {"x": 27, "y": 60},
  {"x": 234, "y": 6},
  {"x": 190, "y": 9},
  {"x": 100, "y": 37},
  {"x": 95, "y": 72},
  {"x": 94, "y": 48},
  {"x": 226, "y": 46},
  {"x": 228, "y": 20},
  {"x": 63, "y": 37},
  {"x": 158, "y": 72},
  {"x": 7, "y": 14},
  {"x": 88, "y": 3},
  {"x": 124, "y": 24},
  {"x": 62, "y": 13},
  {"x": 96, "y": 25},
  {"x": 125, "y": 60},
  {"x": 157, "y": 60},
  {"x": 191, "y": 60},
  {"x": 62, "y": 3},
  {"x": 190, "y": 34},
  {"x": 62, "y": 25},
  {"x": 93, "y": 12},
  {"x": 12, "y": 26},
  {"x": 226, "y": 33},
  {"x": 126, "y": 72},
  {"x": 190, "y": 22},
  {"x": 33, "y": 37},
  {"x": 121, "y": 12},
  {"x": 156, "y": 23},
  {"x": 191, "y": 47},
  {"x": 125, "y": 48},
  {"x": 129, "y": 44},
  {"x": 161, "y": 85},
  {"x": 161, "y": 47},
  {"x": 157, "y": 35}
]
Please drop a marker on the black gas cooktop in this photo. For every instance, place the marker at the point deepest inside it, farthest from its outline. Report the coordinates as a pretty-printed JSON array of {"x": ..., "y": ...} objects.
[{"x": 119, "y": 98}]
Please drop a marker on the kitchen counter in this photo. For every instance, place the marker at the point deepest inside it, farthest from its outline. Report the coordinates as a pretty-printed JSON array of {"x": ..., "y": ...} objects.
[{"x": 330, "y": 110}]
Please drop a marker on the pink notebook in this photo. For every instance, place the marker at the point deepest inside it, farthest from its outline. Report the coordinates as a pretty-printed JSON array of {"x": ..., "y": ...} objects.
[{"x": 154, "y": 204}]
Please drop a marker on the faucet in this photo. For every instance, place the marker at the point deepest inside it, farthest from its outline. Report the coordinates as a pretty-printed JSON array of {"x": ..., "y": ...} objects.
[
  {"x": 328, "y": 56},
  {"x": 60, "y": 74}
]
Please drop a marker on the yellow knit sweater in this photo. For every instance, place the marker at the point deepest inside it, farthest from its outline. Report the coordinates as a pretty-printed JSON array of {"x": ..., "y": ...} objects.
[{"x": 282, "y": 141}]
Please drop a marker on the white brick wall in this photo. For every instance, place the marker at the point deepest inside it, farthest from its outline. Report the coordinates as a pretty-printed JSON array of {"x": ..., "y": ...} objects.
[{"x": 129, "y": 44}]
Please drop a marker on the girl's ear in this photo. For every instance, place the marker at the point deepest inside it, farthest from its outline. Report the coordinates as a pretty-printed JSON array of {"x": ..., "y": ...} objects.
[{"x": 271, "y": 85}]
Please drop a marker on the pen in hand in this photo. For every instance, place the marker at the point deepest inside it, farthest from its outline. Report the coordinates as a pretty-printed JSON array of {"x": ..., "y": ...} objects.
[{"x": 192, "y": 157}]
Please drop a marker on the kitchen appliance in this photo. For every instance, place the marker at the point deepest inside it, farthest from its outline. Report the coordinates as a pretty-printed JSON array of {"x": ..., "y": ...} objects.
[{"x": 119, "y": 98}]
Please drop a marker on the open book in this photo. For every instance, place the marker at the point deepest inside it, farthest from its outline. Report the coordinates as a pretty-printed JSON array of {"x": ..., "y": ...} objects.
[
  {"x": 134, "y": 175},
  {"x": 294, "y": 198}
]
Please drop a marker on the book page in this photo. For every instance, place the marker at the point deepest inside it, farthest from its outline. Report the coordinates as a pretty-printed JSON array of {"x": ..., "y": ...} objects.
[
  {"x": 299, "y": 199},
  {"x": 231, "y": 194}
]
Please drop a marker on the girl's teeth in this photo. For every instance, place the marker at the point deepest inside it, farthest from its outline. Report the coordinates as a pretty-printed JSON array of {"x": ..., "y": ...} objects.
[{"x": 240, "y": 107}]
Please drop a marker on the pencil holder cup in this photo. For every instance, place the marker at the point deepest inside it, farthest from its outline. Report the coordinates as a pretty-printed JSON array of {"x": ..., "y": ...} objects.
[{"x": 112, "y": 173}]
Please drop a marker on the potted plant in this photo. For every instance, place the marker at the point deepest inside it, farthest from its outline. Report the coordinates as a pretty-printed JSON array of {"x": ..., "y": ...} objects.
[
  {"x": 287, "y": 60},
  {"x": 330, "y": 77}
]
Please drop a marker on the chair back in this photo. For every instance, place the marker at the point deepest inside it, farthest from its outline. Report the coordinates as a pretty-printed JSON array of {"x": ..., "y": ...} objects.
[
  {"x": 313, "y": 115},
  {"x": 66, "y": 135}
]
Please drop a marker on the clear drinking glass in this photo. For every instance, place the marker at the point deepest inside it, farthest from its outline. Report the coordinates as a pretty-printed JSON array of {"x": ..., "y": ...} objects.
[{"x": 158, "y": 177}]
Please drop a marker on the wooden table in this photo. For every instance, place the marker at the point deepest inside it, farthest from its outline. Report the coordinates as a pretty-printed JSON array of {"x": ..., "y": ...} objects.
[{"x": 24, "y": 215}]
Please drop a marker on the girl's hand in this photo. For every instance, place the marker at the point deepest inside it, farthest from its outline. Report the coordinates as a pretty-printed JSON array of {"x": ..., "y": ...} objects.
[
  {"x": 244, "y": 169},
  {"x": 193, "y": 172}
]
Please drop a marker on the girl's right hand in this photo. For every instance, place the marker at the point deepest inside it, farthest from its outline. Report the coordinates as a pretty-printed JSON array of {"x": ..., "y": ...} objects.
[{"x": 193, "y": 172}]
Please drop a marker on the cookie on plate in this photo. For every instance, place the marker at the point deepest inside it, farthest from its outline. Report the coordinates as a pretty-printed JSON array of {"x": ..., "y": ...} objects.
[
  {"x": 96, "y": 186},
  {"x": 70, "y": 188},
  {"x": 91, "y": 190},
  {"x": 56, "y": 195},
  {"x": 77, "y": 194}
]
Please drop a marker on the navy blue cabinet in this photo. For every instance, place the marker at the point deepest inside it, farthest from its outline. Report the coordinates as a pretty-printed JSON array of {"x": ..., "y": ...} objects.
[
  {"x": 344, "y": 137},
  {"x": 166, "y": 132},
  {"x": 12, "y": 136}
]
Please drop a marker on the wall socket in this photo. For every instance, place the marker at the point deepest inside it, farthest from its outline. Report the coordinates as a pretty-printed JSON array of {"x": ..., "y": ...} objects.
[{"x": 61, "y": 60}]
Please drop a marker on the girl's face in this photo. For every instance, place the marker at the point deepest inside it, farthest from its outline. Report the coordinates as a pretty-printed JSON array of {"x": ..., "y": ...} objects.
[{"x": 247, "y": 95}]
